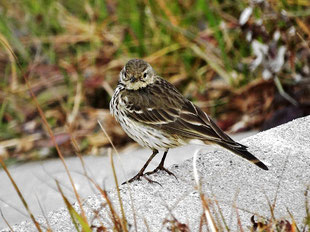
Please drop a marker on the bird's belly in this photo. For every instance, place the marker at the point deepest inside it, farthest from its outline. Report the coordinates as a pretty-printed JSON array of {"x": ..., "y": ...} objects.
[{"x": 149, "y": 137}]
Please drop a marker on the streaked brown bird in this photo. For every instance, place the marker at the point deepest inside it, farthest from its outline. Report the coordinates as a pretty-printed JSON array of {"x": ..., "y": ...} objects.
[{"x": 156, "y": 115}]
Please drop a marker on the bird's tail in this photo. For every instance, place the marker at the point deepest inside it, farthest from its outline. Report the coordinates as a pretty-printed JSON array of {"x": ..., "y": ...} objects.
[{"x": 242, "y": 151}]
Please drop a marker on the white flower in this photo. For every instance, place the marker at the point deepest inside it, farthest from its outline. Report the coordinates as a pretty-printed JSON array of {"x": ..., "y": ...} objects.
[
  {"x": 277, "y": 63},
  {"x": 297, "y": 77},
  {"x": 249, "y": 35},
  {"x": 292, "y": 31},
  {"x": 260, "y": 50},
  {"x": 266, "y": 74},
  {"x": 276, "y": 35},
  {"x": 245, "y": 15}
]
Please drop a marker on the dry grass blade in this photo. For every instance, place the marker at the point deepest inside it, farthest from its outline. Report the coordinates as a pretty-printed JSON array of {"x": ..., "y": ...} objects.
[
  {"x": 49, "y": 229},
  {"x": 303, "y": 26},
  {"x": 50, "y": 132},
  {"x": 222, "y": 218},
  {"x": 6, "y": 222},
  {"x": 74, "y": 215},
  {"x": 12, "y": 58},
  {"x": 171, "y": 17},
  {"x": 146, "y": 225},
  {"x": 238, "y": 219},
  {"x": 283, "y": 93},
  {"x": 207, "y": 213},
  {"x": 115, "y": 218},
  {"x": 116, "y": 182},
  {"x": 15, "y": 208},
  {"x": 162, "y": 52},
  {"x": 96, "y": 213},
  {"x": 77, "y": 102},
  {"x": 293, "y": 224},
  {"x": 20, "y": 195},
  {"x": 212, "y": 62},
  {"x": 124, "y": 221},
  {"x": 174, "y": 224},
  {"x": 273, "y": 205}
]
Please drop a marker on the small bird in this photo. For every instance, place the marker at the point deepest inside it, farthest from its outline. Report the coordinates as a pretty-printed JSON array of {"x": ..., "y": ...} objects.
[{"x": 156, "y": 115}]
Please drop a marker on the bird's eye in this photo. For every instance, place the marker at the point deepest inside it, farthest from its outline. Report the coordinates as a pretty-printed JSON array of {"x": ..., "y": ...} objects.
[{"x": 144, "y": 75}]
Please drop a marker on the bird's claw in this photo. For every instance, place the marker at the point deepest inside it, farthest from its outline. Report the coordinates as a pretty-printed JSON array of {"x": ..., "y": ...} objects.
[
  {"x": 161, "y": 168},
  {"x": 138, "y": 177}
]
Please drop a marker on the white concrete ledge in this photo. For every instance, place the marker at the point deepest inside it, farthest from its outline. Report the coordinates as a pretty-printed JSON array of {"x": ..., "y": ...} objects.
[{"x": 237, "y": 186}]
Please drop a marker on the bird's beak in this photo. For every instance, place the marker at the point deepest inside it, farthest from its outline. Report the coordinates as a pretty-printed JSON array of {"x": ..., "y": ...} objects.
[{"x": 133, "y": 79}]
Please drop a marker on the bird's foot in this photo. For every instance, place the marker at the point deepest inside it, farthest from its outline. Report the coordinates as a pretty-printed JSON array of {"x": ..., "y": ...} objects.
[
  {"x": 161, "y": 168},
  {"x": 138, "y": 178}
]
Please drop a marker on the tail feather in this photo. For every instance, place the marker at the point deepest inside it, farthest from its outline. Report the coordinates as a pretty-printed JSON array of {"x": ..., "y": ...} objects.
[{"x": 244, "y": 153}]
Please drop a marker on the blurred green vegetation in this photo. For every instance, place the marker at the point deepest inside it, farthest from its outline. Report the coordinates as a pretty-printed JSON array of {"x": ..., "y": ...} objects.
[{"x": 72, "y": 51}]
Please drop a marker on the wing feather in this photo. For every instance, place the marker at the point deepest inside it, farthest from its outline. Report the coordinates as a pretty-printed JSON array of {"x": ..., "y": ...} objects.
[{"x": 163, "y": 107}]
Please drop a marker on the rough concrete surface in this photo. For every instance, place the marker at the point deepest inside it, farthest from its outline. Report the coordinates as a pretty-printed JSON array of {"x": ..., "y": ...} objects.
[
  {"x": 238, "y": 186},
  {"x": 36, "y": 180}
]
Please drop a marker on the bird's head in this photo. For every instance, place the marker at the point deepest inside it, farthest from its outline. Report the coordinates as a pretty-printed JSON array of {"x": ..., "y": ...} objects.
[{"x": 136, "y": 74}]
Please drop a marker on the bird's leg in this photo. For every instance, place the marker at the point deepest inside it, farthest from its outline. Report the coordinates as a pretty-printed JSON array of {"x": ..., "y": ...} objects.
[
  {"x": 141, "y": 172},
  {"x": 161, "y": 166}
]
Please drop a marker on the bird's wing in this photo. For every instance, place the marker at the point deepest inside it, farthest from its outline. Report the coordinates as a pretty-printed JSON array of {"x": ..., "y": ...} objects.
[{"x": 163, "y": 107}]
